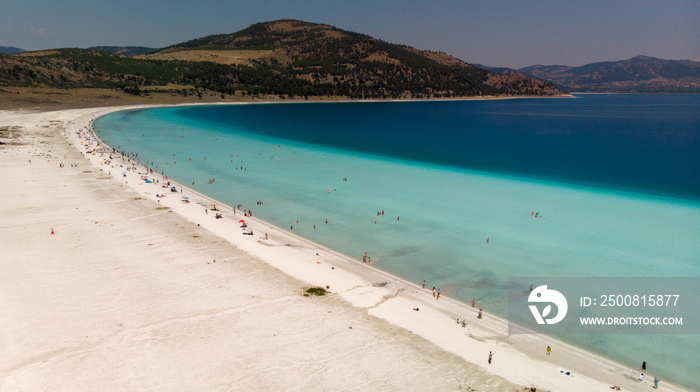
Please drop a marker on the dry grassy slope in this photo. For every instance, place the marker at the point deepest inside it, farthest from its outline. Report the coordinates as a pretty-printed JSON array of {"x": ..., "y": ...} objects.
[{"x": 228, "y": 57}]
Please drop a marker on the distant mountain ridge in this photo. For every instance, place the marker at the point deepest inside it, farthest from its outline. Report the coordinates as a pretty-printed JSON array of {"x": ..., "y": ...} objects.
[
  {"x": 11, "y": 50},
  {"x": 640, "y": 74}
]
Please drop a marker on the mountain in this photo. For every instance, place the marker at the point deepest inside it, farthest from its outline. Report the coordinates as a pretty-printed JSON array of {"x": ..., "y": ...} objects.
[
  {"x": 129, "y": 51},
  {"x": 350, "y": 64},
  {"x": 10, "y": 50},
  {"x": 285, "y": 58},
  {"x": 500, "y": 70},
  {"x": 641, "y": 74}
]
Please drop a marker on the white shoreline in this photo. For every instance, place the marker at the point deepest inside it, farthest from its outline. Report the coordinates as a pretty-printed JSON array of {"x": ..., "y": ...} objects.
[{"x": 519, "y": 359}]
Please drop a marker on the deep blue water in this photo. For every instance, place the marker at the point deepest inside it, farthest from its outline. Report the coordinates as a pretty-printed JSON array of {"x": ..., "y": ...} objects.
[{"x": 640, "y": 143}]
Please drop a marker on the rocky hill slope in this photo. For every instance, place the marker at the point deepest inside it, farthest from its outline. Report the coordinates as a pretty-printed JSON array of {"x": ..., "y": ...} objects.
[{"x": 285, "y": 58}]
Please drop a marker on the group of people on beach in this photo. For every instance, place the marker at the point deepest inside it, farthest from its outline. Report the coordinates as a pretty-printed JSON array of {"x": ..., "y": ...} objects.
[
  {"x": 640, "y": 379},
  {"x": 462, "y": 322},
  {"x": 641, "y": 376}
]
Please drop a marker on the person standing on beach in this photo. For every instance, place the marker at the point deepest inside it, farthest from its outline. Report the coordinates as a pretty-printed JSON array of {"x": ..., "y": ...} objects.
[
  {"x": 490, "y": 357},
  {"x": 423, "y": 283},
  {"x": 434, "y": 291},
  {"x": 438, "y": 293},
  {"x": 656, "y": 383},
  {"x": 549, "y": 350},
  {"x": 479, "y": 315}
]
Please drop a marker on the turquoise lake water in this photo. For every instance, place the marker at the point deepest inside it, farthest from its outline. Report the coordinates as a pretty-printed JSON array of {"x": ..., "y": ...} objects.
[{"x": 615, "y": 180}]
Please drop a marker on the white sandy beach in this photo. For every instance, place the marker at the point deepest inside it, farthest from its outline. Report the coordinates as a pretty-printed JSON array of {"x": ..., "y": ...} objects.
[{"x": 139, "y": 292}]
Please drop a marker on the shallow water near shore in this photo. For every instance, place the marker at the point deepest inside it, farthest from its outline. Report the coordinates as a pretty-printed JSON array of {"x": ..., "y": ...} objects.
[{"x": 615, "y": 181}]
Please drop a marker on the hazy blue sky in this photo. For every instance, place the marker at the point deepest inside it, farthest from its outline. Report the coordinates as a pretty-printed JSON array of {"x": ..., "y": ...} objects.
[{"x": 490, "y": 32}]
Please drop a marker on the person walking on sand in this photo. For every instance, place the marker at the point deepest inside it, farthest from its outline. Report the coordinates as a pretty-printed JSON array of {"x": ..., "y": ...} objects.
[
  {"x": 549, "y": 350},
  {"x": 479, "y": 315},
  {"x": 434, "y": 291},
  {"x": 490, "y": 357},
  {"x": 438, "y": 293},
  {"x": 656, "y": 383}
]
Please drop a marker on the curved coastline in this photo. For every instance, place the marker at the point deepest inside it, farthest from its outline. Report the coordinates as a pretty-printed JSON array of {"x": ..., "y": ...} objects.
[
  {"x": 385, "y": 296},
  {"x": 377, "y": 277}
]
